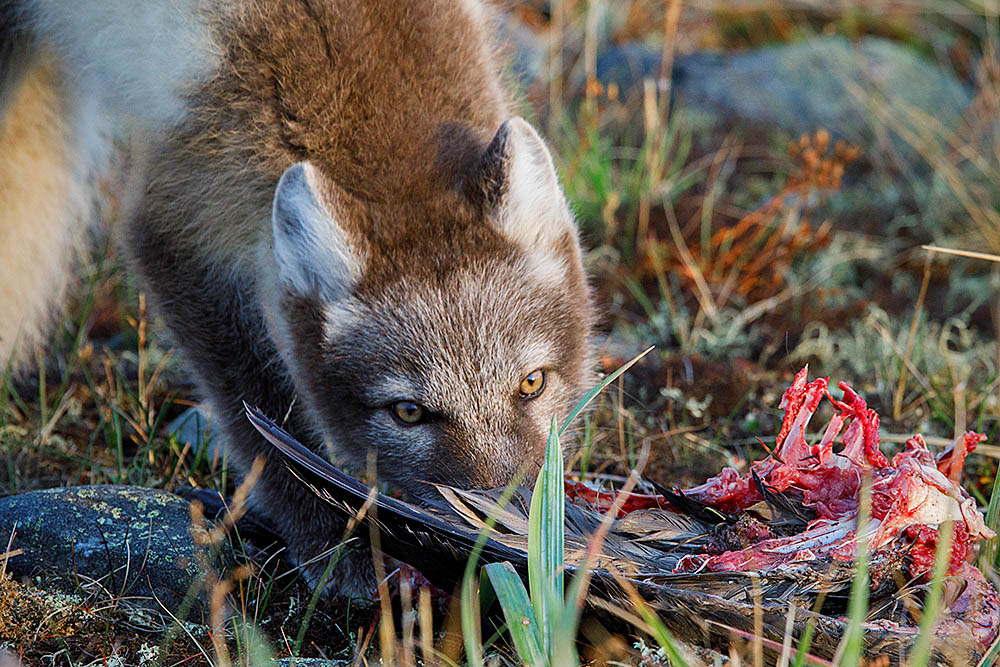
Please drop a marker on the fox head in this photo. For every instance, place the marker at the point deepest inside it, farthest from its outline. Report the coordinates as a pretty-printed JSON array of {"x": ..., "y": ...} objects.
[{"x": 441, "y": 334}]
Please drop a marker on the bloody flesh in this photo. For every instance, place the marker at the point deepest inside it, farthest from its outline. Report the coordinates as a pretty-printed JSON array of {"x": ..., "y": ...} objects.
[
  {"x": 604, "y": 500},
  {"x": 912, "y": 497}
]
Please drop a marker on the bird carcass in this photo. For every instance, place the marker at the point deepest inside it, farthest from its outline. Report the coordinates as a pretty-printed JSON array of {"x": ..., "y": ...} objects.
[{"x": 739, "y": 555}]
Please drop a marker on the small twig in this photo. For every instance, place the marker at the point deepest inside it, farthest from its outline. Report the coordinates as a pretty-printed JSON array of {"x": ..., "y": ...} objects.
[
  {"x": 427, "y": 651},
  {"x": 57, "y": 414},
  {"x": 963, "y": 253},
  {"x": 671, "y": 20},
  {"x": 897, "y": 400},
  {"x": 702, "y": 291},
  {"x": 156, "y": 375},
  {"x": 217, "y": 605},
  {"x": 5, "y": 556},
  {"x": 786, "y": 645},
  {"x": 556, "y": 28},
  {"x": 364, "y": 643},
  {"x": 386, "y": 626},
  {"x": 955, "y": 467},
  {"x": 9, "y": 553},
  {"x": 758, "y": 620},
  {"x": 592, "y": 88}
]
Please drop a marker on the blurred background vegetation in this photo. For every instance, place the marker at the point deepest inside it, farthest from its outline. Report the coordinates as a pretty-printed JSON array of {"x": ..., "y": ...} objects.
[{"x": 760, "y": 184}]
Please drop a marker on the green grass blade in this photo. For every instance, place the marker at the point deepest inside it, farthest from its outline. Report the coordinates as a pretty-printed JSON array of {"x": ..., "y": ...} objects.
[
  {"x": 992, "y": 656},
  {"x": 988, "y": 554},
  {"x": 545, "y": 539},
  {"x": 857, "y": 609},
  {"x": 314, "y": 599},
  {"x": 663, "y": 637},
  {"x": 932, "y": 604},
  {"x": 600, "y": 387},
  {"x": 805, "y": 643},
  {"x": 471, "y": 629},
  {"x": 517, "y": 610},
  {"x": 469, "y": 603}
]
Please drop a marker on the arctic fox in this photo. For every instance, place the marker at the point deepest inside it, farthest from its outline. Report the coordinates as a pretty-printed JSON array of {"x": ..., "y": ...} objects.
[{"x": 336, "y": 214}]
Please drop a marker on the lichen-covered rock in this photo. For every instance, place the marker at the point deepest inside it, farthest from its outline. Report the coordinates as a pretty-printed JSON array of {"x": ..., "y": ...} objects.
[{"x": 135, "y": 543}]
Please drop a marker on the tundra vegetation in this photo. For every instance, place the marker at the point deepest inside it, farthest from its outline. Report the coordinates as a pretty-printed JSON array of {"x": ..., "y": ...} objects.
[{"x": 760, "y": 184}]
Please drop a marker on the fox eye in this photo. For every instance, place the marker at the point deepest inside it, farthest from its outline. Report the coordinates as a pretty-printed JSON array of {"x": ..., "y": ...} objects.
[
  {"x": 532, "y": 384},
  {"x": 407, "y": 413}
]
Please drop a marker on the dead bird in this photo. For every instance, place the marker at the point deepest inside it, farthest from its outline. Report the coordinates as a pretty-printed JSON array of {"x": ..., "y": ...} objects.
[{"x": 644, "y": 550}]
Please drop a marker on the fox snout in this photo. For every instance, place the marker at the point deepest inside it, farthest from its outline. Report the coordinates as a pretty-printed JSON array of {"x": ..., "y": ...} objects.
[
  {"x": 494, "y": 462},
  {"x": 495, "y": 473}
]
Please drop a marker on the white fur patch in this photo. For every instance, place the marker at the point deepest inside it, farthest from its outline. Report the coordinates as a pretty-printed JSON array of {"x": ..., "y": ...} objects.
[
  {"x": 138, "y": 57},
  {"x": 534, "y": 210},
  {"x": 312, "y": 255},
  {"x": 339, "y": 317},
  {"x": 546, "y": 268},
  {"x": 476, "y": 9}
]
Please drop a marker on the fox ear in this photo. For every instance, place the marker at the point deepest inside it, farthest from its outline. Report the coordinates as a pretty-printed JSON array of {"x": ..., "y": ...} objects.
[
  {"x": 311, "y": 251},
  {"x": 517, "y": 183}
]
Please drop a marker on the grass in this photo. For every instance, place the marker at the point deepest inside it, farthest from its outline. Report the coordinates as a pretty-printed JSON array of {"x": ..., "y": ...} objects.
[
  {"x": 541, "y": 632},
  {"x": 710, "y": 244},
  {"x": 543, "y": 624}
]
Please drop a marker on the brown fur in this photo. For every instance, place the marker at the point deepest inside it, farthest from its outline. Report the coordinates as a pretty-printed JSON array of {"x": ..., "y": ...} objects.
[{"x": 390, "y": 100}]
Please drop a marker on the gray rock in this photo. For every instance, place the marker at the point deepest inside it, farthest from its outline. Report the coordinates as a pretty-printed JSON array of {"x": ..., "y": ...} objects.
[
  {"x": 627, "y": 64},
  {"x": 822, "y": 82},
  {"x": 867, "y": 92},
  {"x": 134, "y": 542},
  {"x": 196, "y": 427}
]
